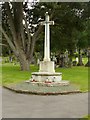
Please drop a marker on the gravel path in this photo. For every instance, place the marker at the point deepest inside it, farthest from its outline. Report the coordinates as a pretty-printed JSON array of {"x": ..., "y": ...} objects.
[{"x": 32, "y": 106}]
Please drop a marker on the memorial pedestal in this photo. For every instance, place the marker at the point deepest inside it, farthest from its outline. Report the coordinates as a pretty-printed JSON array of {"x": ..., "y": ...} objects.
[
  {"x": 47, "y": 66},
  {"x": 47, "y": 74}
]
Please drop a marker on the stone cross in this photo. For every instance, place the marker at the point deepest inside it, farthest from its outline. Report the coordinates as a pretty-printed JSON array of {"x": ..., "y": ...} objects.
[{"x": 47, "y": 37}]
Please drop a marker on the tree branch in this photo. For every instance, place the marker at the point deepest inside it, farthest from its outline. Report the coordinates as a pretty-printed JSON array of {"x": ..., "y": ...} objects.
[
  {"x": 8, "y": 40},
  {"x": 10, "y": 19},
  {"x": 18, "y": 17},
  {"x": 34, "y": 39},
  {"x": 29, "y": 36},
  {"x": 20, "y": 8}
]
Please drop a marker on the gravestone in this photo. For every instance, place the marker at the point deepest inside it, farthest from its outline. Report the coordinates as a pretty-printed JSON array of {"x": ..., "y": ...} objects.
[{"x": 47, "y": 72}]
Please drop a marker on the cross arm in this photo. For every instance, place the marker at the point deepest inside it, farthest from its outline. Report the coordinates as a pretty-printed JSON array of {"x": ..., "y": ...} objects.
[{"x": 49, "y": 22}]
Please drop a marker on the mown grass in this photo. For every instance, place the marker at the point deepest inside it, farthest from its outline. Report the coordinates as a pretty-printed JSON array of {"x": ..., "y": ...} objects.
[
  {"x": 77, "y": 75},
  {"x": 11, "y": 74}
]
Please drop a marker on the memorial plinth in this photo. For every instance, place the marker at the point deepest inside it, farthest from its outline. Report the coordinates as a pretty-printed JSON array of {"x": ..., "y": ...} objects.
[
  {"x": 46, "y": 66},
  {"x": 47, "y": 74}
]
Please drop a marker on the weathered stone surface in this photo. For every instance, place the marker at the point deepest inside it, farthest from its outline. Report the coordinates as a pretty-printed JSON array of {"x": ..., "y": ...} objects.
[
  {"x": 50, "y": 83},
  {"x": 46, "y": 66},
  {"x": 47, "y": 76}
]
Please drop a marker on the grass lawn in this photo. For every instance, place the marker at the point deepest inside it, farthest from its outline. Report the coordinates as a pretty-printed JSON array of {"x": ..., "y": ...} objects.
[
  {"x": 11, "y": 74},
  {"x": 77, "y": 75}
]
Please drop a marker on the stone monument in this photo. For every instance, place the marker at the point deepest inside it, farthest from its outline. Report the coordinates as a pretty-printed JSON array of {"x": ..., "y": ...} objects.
[{"x": 47, "y": 72}]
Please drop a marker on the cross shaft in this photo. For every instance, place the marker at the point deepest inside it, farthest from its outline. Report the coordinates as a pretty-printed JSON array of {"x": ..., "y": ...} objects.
[{"x": 47, "y": 37}]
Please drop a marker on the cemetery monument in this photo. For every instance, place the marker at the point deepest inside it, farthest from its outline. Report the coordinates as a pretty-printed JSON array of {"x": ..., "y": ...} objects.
[{"x": 47, "y": 72}]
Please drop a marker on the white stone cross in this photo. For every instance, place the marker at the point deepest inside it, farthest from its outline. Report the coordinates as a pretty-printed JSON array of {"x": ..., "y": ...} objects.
[{"x": 47, "y": 37}]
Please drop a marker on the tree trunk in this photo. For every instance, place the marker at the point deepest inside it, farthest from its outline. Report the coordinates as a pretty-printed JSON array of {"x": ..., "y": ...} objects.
[
  {"x": 19, "y": 35},
  {"x": 70, "y": 59},
  {"x": 88, "y": 63},
  {"x": 10, "y": 56},
  {"x": 24, "y": 63},
  {"x": 80, "y": 63},
  {"x": 62, "y": 59}
]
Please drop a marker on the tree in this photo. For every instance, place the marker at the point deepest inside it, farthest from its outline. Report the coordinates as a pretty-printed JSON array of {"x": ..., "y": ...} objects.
[
  {"x": 88, "y": 39},
  {"x": 81, "y": 44},
  {"x": 18, "y": 33},
  {"x": 22, "y": 30},
  {"x": 68, "y": 23}
]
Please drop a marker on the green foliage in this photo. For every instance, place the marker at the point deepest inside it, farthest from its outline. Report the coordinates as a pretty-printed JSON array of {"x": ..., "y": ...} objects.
[
  {"x": 70, "y": 29},
  {"x": 70, "y": 20}
]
